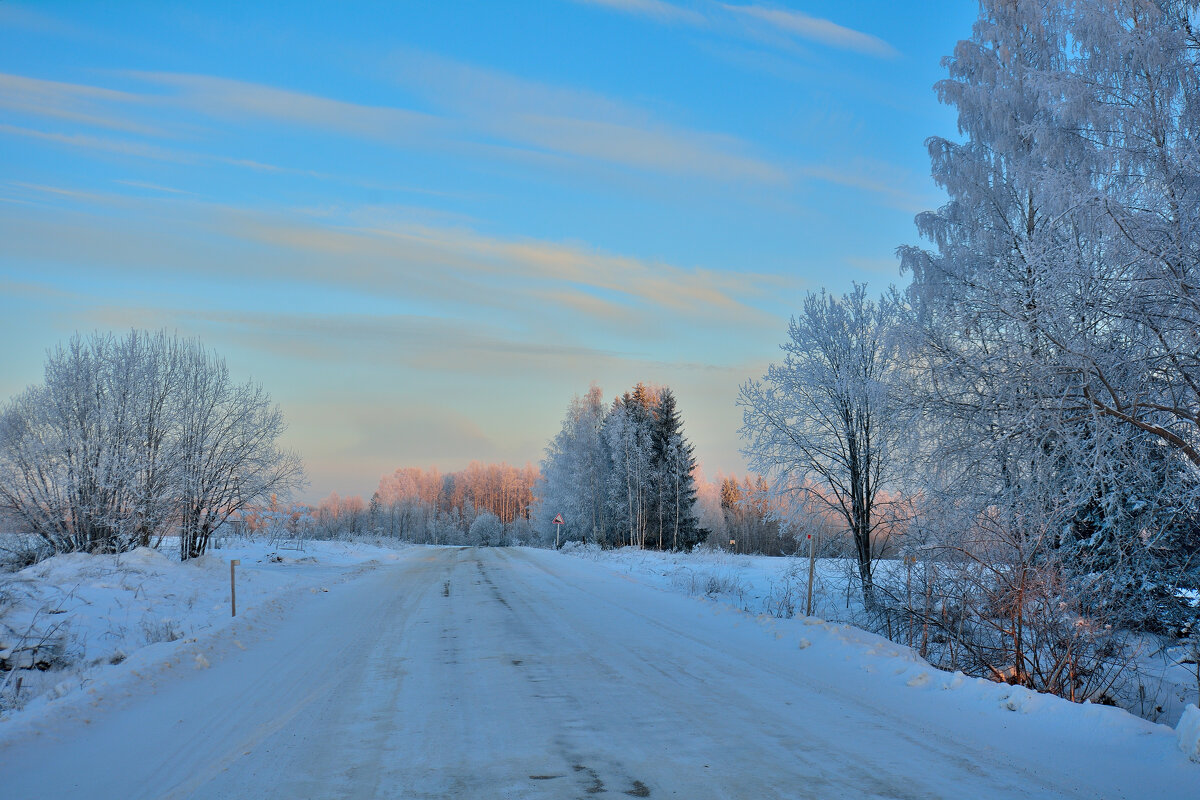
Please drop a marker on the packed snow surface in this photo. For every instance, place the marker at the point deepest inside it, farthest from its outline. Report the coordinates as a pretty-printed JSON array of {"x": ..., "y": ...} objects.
[{"x": 526, "y": 673}]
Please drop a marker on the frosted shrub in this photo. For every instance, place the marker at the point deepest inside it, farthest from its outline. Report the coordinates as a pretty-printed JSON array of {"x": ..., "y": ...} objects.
[
  {"x": 486, "y": 531},
  {"x": 787, "y": 593}
]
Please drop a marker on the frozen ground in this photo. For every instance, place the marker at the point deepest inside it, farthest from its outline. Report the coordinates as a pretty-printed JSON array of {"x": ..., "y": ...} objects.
[{"x": 525, "y": 673}]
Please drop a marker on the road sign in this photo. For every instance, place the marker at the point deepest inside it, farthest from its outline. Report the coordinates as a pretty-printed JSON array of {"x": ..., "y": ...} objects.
[{"x": 558, "y": 520}]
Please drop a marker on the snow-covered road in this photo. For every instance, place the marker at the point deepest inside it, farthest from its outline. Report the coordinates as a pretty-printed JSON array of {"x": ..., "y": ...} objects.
[{"x": 519, "y": 673}]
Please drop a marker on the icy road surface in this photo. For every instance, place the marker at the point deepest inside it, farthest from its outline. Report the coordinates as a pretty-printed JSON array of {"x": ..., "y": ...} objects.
[{"x": 525, "y": 674}]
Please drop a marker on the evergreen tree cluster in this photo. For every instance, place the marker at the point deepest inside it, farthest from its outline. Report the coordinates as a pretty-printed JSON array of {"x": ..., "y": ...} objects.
[{"x": 622, "y": 474}]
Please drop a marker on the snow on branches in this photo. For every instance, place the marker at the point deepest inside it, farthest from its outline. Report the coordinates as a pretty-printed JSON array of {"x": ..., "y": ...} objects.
[{"x": 133, "y": 438}]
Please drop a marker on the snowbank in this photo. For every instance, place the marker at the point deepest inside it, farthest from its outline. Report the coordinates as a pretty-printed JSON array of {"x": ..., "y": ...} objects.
[{"x": 1188, "y": 731}]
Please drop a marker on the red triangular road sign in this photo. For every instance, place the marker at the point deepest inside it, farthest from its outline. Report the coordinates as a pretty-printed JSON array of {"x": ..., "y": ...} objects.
[{"x": 558, "y": 520}]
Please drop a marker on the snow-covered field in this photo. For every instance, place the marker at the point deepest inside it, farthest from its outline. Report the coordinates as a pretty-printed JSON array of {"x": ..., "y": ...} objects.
[
  {"x": 513, "y": 672},
  {"x": 79, "y": 616},
  {"x": 755, "y": 584},
  {"x": 777, "y": 586}
]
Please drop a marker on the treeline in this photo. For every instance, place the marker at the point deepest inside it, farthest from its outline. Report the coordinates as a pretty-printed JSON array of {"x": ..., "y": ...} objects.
[
  {"x": 744, "y": 520},
  {"x": 621, "y": 474},
  {"x": 132, "y": 439},
  {"x": 501, "y": 489},
  {"x": 745, "y": 515},
  {"x": 482, "y": 505},
  {"x": 1025, "y": 418}
]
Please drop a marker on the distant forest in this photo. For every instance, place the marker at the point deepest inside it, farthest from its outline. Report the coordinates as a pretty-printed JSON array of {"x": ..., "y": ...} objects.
[{"x": 619, "y": 473}]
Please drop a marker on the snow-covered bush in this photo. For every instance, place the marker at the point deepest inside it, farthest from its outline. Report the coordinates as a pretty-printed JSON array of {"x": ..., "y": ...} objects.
[
  {"x": 486, "y": 531},
  {"x": 709, "y": 582}
]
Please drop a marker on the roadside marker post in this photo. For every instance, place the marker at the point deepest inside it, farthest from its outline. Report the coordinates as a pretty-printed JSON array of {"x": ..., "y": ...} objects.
[
  {"x": 233, "y": 587},
  {"x": 558, "y": 523},
  {"x": 812, "y": 563}
]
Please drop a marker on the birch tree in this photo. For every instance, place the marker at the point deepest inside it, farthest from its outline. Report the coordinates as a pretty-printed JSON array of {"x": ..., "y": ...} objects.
[
  {"x": 131, "y": 438},
  {"x": 821, "y": 424},
  {"x": 1057, "y": 311},
  {"x": 575, "y": 476}
]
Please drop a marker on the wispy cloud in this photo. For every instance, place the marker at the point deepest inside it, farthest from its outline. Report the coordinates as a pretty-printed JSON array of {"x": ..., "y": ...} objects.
[
  {"x": 655, "y": 9},
  {"x": 31, "y": 290},
  {"x": 492, "y": 104},
  {"x": 578, "y": 123},
  {"x": 816, "y": 29},
  {"x": 209, "y": 96},
  {"x": 154, "y": 187},
  {"x": 137, "y": 149},
  {"x": 742, "y": 21},
  {"x": 411, "y": 249},
  {"x": 18, "y": 17},
  {"x": 456, "y": 269},
  {"x": 124, "y": 147},
  {"x": 72, "y": 194},
  {"x": 892, "y": 186},
  {"x": 410, "y": 340},
  {"x": 486, "y": 113},
  {"x": 223, "y": 97},
  {"x": 655, "y": 148},
  {"x": 89, "y": 105}
]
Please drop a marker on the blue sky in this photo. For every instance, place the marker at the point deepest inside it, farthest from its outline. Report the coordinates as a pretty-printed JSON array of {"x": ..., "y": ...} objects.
[{"x": 425, "y": 226}]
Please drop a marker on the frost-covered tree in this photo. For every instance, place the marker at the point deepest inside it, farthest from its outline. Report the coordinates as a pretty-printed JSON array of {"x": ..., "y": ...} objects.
[
  {"x": 621, "y": 475},
  {"x": 822, "y": 424},
  {"x": 575, "y": 470},
  {"x": 673, "y": 475},
  {"x": 1056, "y": 313},
  {"x": 68, "y": 448},
  {"x": 227, "y": 451},
  {"x": 1134, "y": 102},
  {"x": 426, "y": 506},
  {"x": 375, "y": 513},
  {"x": 486, "y": 531},
  {"x": 130, "y": 438},
  {"x": 627, "y": 429}
]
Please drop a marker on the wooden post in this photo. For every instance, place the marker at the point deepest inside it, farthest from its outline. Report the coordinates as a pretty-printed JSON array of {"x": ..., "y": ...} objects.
[
  {"x": 233, "y": 587},
  {"x": 812, "y": 564},
  {"x": 925, "y": 611},
  {"x": 909, "y": 560}
]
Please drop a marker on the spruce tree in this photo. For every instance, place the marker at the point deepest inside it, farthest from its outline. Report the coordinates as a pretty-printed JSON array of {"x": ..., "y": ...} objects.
[{"x": 674, "y": 459}]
